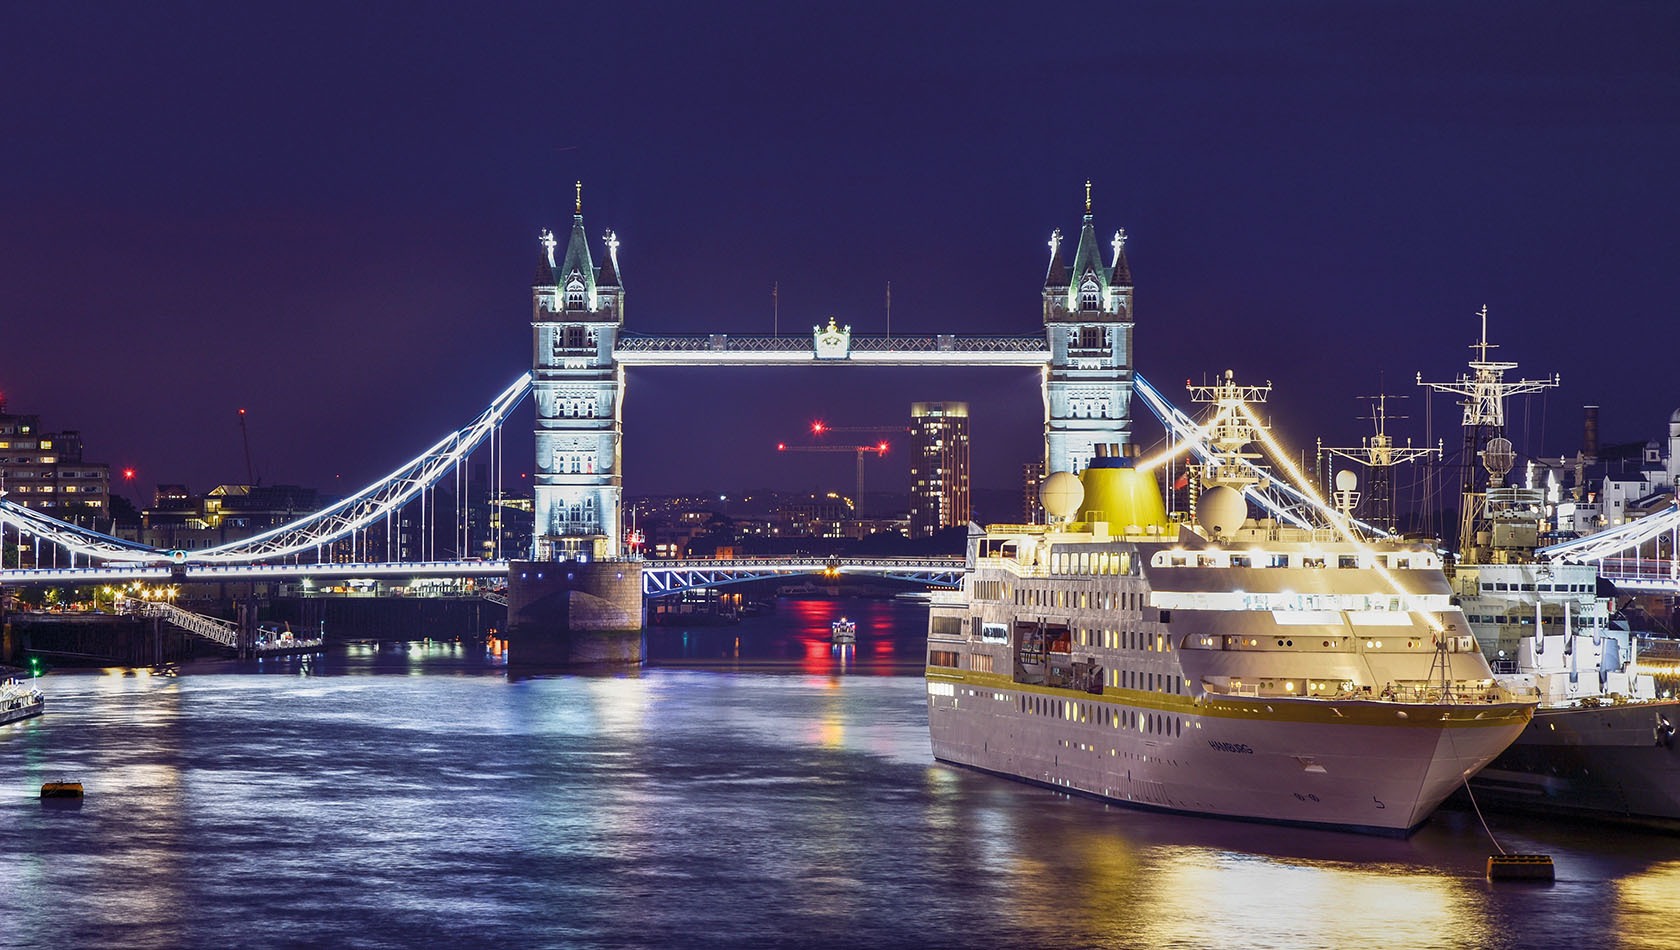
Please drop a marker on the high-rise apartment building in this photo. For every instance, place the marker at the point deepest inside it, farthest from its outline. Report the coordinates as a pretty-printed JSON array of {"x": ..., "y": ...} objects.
[
  {"x": 939, "y": 494},
  {"x": 45, "y": 471},
  {"x": 1032, "y": 509}
]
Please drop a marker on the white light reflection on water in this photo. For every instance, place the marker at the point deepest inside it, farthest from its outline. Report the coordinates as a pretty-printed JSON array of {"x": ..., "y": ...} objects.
[{"x": 364, "y": 806}]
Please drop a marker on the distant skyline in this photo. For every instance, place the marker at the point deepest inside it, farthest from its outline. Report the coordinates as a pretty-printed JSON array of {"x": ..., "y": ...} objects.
[{"x": 329, "y": 216}]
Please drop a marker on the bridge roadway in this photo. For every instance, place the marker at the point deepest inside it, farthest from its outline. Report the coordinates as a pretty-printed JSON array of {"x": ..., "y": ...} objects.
[
  {"x": 733, "y": 349},
  {"x": 658, "y": 577}
]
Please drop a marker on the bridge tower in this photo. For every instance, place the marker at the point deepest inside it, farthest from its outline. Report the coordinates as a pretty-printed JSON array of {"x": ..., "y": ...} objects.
[
  {"x": 577, "y": 310},
  {"x": 1088, "y": 322}
]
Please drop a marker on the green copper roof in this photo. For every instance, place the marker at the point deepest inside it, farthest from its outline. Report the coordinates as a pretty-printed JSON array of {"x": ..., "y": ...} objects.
[
  {"x": 1088, "y": 258},
  {"x": 577, "y": 258}
]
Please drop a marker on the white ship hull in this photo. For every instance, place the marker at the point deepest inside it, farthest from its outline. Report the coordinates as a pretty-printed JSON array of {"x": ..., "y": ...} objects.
[
  {"x": 1360, "y": 767},
  {"x": 21, "y": 709}
]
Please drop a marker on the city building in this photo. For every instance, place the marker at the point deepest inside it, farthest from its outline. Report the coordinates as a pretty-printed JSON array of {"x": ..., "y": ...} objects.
[
  {"x": 939, "y": 491},
  {"x": 180, "y": 520},
  {"x": 1602, "y": 487},
  {"x": 1032, "y": 509},
  {"x": 45, "y": 471}
]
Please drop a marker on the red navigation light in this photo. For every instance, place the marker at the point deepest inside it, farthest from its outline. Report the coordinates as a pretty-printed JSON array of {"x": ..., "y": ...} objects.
[
  {"x": 781, "y": 446},
  {"x": 128, "y": 474},
  {"x": 241, "y": 412},
  {"x": 818, "y": 427},
  {"x": 882, "y": 447}
]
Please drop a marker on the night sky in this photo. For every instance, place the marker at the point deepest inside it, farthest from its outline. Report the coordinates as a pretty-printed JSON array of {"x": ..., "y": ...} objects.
[{"x": 328, "y": 215}]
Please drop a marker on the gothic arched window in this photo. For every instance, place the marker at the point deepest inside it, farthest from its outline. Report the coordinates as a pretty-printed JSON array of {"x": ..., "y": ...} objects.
[
  {"x": 1090, "y": 298},
  {"x": 574, "y": 294}
]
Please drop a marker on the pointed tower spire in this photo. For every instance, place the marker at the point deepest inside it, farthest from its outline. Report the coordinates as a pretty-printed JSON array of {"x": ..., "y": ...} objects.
[
  {"x": 609, "y": 264},
  {"x": 578, "y": 269},
  {"x": 1056, "y": 276},
  {"x": 545, "y": 260},
  {"x": 1087, "y": 261},
  {"x": 1120, "y": 270}
]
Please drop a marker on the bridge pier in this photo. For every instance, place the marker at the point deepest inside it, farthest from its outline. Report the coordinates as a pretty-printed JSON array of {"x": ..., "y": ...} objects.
[
  {"x": 247, "y": 629},
  {"x": 570, "y": 614}
]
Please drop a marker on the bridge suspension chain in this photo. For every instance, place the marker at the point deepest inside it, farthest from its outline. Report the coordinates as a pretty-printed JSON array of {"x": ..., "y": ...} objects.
[{"x": 384, "y": 497}]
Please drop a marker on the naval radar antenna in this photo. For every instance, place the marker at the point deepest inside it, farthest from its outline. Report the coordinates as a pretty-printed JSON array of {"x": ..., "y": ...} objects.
[
  {"x": 1485, "y": 390},
  {"x": 1379, "y": 454},
  {"x": 1231, "y": 431}
]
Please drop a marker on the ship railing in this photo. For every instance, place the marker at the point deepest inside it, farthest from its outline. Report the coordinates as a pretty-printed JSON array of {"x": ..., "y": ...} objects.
[
  {"x": 1013, "y": 566},
  {"x": 296, "y": 643},
  {"x": 1460, "y": 694}
]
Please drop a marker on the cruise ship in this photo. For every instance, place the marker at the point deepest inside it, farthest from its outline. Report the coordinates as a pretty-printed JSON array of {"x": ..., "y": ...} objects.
[{"x": 1230, "y": 667}]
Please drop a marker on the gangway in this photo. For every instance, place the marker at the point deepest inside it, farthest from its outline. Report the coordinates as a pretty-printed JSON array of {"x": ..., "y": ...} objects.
[
  {"x": 210, "y": 628},
  {"x": 221, "y": 631}
]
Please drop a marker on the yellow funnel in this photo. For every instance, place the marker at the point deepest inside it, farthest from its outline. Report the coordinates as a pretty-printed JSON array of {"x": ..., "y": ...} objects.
[{"x": 1121, "y": 495}]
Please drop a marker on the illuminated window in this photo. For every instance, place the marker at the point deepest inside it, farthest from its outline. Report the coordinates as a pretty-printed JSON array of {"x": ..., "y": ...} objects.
[{"x": 1090, "y": 298}]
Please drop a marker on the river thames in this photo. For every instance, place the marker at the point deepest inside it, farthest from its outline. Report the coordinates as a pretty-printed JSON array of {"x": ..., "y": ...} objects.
[{"x": 748, "y": 788}]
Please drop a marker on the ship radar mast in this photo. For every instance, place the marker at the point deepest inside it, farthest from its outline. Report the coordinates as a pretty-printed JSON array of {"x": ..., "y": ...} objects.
[
  {"x": 1379, "y": 454},
  {"x": 1484, "y": 390},
  {"x": 1232, "y": 430}
]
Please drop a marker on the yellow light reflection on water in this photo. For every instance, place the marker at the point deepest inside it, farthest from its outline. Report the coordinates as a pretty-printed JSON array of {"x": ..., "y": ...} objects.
[
  {"x": 1646, "y": 907},
  {"x": 1097, "y": 881}
]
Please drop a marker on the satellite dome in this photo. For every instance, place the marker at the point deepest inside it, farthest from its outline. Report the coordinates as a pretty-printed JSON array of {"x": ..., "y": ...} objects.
[
  {"x": 1221, "y": 510},
  {"x": 1061, "y": 494},
  {"x": 1346, "y": 480}
]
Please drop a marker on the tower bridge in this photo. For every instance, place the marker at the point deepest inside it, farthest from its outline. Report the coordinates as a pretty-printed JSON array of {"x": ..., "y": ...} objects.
[
  {"x": 1083, "y": 346},
  {"x": 1081, "y": 343},
  {"x": 581, "y": 350}
]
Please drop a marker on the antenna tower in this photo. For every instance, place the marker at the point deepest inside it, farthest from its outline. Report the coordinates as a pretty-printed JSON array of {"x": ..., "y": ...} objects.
[
  {"x": 1378, "y": 453},
  {"x": 1484, "y": 391}
]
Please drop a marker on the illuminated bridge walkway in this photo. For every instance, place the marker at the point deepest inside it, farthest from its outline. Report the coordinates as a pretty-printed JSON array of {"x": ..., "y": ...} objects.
[
  {"x": 308, "y": 546},
  {"x": 658, "y": 577}
]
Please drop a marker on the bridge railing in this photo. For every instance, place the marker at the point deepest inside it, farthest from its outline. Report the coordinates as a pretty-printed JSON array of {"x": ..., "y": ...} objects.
[
  {"x": 790, "y": 563},
  {"x": 1643, "y": 568}
]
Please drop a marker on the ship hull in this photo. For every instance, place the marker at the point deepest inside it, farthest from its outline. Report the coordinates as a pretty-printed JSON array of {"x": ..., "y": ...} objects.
[
  {"x": 1353, "y": 767},
  {"x": 1617, "y": 763}
]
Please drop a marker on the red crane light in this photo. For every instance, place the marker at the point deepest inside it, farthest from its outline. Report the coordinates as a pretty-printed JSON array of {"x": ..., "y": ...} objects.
[
  {"x": 818, "y": 427},
  {"x": 128, "y": 474},
  {"x": 781, "y": 446}
]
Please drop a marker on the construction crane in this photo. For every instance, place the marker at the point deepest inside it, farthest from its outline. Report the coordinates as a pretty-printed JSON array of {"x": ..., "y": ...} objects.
[
  {"x": 879, "y": 448},
  {"x": 250, "y": 473},
  {"x": 820, "y": 428}
]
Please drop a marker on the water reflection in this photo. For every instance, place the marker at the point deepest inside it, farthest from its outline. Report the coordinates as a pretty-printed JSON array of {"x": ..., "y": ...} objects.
[
  {"x": 890, "y": 637},
  {"x": 729, "y": 794}
]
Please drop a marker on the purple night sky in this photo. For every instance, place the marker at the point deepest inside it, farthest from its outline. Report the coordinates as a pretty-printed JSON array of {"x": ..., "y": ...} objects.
[{"x": 328, "y": 214}]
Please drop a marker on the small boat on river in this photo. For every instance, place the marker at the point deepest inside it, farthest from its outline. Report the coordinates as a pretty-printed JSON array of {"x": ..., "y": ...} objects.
[{"x": 843, "y": 632}]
